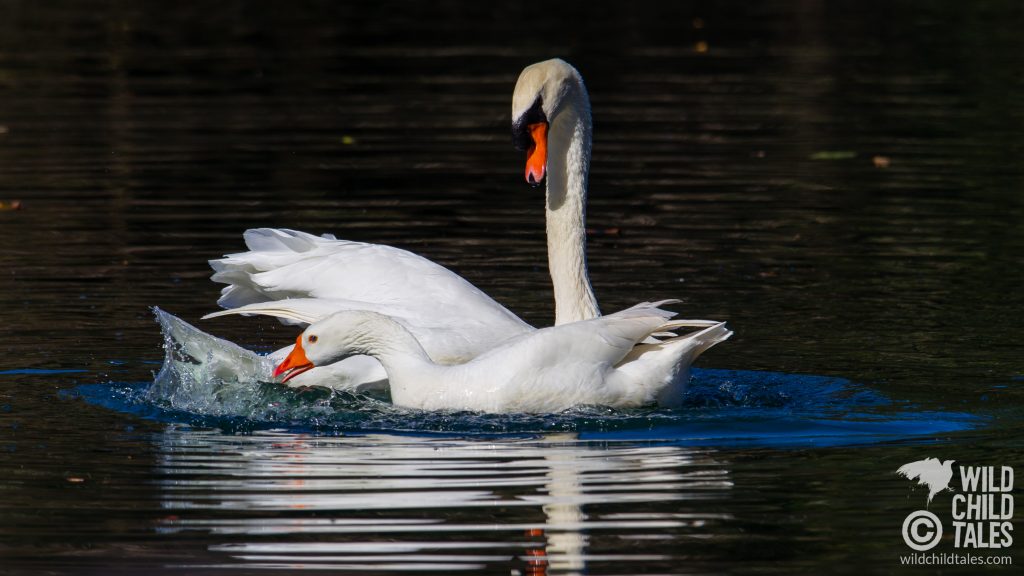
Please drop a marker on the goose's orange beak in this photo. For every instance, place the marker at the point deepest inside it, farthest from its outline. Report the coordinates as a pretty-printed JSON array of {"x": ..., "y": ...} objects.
[
  {"x": 296, "y": 363},
  {"x": 537, "y": 155}
]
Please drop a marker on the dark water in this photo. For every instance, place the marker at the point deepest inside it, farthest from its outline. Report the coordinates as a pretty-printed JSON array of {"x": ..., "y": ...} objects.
[{"x": 843, "y": 184}]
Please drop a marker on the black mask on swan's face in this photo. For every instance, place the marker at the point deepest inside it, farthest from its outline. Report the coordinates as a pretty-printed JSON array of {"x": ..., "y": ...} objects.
[
  {"x": 521, "y": 137},
  {"x": 530, "y": 134}
]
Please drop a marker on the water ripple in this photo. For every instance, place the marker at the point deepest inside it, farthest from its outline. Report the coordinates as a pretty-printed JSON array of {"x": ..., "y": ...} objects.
[
  {"x": 396, "y": 494},
  {"x": 225, "y": 388}
]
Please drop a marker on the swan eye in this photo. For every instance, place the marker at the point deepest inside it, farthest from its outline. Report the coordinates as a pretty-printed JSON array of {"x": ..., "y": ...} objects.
[{"x": 312, "y": 338}]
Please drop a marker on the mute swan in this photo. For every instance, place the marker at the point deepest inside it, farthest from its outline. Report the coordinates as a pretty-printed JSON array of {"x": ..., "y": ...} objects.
[
  {"x": 301, "y": 278},
  {"x": 547, "y": 370}
]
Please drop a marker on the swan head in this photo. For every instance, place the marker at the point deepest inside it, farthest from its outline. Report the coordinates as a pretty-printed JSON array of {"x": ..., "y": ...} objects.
[
  {"x": 330, "y": 340},
  {"x": 541, "y": 93}
]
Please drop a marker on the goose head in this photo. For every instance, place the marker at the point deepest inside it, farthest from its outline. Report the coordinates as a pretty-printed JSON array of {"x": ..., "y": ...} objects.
[
  {"x": 330, "y": 340},
  {"x": 543, "y": 91}
]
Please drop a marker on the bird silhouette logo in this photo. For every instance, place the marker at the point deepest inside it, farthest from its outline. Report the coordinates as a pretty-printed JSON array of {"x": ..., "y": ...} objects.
[{"x": 930, "y": 472}]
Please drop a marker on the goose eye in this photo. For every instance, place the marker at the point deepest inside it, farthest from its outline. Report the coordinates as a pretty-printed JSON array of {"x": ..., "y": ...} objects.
[{"x": 312, "y": 338}]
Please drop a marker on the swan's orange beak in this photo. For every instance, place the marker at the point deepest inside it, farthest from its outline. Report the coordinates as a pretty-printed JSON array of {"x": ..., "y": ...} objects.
[
  {"x": 296, "y": 363},
  {"x": 537, "y": 155}
]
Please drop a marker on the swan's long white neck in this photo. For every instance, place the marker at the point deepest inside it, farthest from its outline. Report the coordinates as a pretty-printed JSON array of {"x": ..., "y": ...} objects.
[{"x": 566, "y": 206}]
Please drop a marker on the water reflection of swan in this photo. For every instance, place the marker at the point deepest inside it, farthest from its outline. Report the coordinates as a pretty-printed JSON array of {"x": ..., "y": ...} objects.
[{"x": 366, "y": 502}]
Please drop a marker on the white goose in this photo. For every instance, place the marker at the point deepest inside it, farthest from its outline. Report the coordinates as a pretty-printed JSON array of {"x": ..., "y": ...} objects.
[
  {"x": 301, "y": 278},
  {"x": 547, "y": 370}
]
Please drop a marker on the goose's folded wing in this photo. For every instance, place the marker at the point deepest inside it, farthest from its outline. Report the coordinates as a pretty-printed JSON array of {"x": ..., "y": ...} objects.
[{"x": 607, "y": 339}]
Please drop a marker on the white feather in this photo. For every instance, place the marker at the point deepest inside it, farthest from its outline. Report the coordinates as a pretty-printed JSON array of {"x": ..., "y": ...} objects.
[{"x": 301, "y": 278}]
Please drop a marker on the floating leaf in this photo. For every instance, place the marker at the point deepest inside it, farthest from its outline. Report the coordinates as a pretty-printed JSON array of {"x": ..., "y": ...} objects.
[{"x": 834, "y": 155}]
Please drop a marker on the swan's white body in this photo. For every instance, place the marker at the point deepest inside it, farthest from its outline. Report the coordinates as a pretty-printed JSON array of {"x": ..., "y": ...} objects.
[
  {"x": 547, "y": 370},
  {"x": 301, "y": 278}
]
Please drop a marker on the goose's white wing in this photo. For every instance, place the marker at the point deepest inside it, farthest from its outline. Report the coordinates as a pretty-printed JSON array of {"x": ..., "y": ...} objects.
[
  {"x": 606, "y": 339},
  {"x": 598, "y": 361},
  {"x": 559, "y": 365}
]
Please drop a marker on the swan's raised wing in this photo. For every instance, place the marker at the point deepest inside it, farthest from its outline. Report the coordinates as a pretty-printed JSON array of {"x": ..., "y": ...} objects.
[
  {"x": 302, "y": 278},
  {"x": 448, "y": 340},
  {"x": 300, "y": 311}
]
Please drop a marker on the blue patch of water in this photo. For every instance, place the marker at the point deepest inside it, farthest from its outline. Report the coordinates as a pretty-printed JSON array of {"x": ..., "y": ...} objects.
[
  {"x": 38, "y": 371},
  {"x": 721, "y": 408},
  {"x": 212, "y": 383}
]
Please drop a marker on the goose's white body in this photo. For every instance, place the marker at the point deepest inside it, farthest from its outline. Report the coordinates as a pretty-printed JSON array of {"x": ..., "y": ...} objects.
[
  {"x": 301, "y": 278},
  {"x": 547, "y": 370}
]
